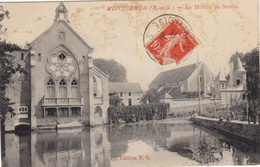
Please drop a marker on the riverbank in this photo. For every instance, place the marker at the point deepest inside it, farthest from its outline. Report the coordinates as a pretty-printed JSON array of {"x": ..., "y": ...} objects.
[{"x": 237, "y": 129}]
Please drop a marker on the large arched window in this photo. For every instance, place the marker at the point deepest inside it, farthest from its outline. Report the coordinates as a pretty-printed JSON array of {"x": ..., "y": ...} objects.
[
  {"x": 50, "y": 89},
  {"x": 74, "y": 89},
  {"x": 62, "y": 89}
]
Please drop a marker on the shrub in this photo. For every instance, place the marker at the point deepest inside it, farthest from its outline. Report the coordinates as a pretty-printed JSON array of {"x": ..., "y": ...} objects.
[{"x": 152, "y": 111}]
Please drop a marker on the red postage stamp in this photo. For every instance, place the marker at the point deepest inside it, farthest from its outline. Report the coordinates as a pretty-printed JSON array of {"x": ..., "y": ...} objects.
[{"x": 173, "y": 42}]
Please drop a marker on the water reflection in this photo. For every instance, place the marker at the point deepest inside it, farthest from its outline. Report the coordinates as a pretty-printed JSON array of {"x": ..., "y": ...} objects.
[{"x": 103, "y": 146}]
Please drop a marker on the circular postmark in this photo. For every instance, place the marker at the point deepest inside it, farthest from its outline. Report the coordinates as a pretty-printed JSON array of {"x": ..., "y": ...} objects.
[{"x": 168, "y": 39}]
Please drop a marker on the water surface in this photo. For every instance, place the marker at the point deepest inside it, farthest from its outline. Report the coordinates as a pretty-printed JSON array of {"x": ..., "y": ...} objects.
[{"x": 158, "y": 143}]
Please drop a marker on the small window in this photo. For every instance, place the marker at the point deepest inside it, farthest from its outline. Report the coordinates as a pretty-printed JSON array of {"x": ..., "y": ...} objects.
[
  {"x": 22, "y": 56},
  {"x": 95, "y": 95},
  {"x": 200, "y": 79},
  {"x": 121, "y": 94},
  {"x": 62, "y": 56},
  {"x": 129, "y": 94},
  {"x": 129, "y": 102},
  {"x": 23, "y": 109},
  {"x": 217, "y": 85},
  {"x": 238, "y": 82},
  {"x": 40, "y": 56}
]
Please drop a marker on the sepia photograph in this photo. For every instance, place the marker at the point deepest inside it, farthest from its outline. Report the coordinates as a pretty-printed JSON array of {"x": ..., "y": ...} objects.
[{"x": 129, "y": 83}]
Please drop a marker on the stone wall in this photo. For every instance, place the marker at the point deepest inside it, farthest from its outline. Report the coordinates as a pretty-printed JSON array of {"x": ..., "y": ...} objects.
[
  {"x": 188, "y": 105},
  {"x": 239, "y": 130}
]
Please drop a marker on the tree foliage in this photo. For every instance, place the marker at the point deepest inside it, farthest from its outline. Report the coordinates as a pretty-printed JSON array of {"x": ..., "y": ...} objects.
[
  {"x": 116, "y": 71},
  {"x": 3, "y": 15},
  {"x": 138, "y": 112},
  {"x": 251, "y": 60},
  {"x": 7, "y": 68},
  {"x": 151, "y": 96}
]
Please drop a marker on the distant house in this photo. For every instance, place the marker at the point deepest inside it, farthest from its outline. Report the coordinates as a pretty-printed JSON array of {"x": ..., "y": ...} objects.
[
  {"x": 184, "y": 79},
  {"x": 124, "y": 93}
]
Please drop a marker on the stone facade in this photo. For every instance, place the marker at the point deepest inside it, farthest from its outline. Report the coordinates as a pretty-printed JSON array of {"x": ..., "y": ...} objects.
[
  {"x": 124, "y": 93},
  {"x": 59, "y": 84},
  {"x": 239, "y": 130}
]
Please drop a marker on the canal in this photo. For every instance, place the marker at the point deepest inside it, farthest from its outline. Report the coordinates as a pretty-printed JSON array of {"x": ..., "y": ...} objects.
[{"x": 172, "y": 142}]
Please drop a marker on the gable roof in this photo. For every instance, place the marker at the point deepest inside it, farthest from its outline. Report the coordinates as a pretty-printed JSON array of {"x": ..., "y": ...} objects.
[
  {"x": 97, "y": 70},
  {"x": 175, "y": 75},
  {"x": 57, "y": 23},
  {"x": 61, "y": 7},
  {"x": 124, "y": 87}
]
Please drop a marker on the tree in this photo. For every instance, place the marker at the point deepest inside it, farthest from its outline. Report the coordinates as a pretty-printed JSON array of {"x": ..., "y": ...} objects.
[
  {"x": 116, "y": 71},
  {"x": 151, "y": 96},
  {"x": 7, "y": 69},
  {"x": 251, "y": 60}
]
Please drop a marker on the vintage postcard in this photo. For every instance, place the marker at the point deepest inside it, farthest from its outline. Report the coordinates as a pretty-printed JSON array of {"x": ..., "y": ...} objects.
[{"x": 129, "y": 83}]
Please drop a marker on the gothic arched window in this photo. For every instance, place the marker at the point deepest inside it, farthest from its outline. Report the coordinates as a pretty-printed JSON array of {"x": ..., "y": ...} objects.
[
  {"x": 50, "y": 88},
  {"x": 62, "y": 89},
  {"x": 74, "y": 89}
]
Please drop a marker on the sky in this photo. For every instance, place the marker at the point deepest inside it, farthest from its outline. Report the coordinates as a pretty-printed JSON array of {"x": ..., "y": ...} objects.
[{"x": 119, "y": 34}]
